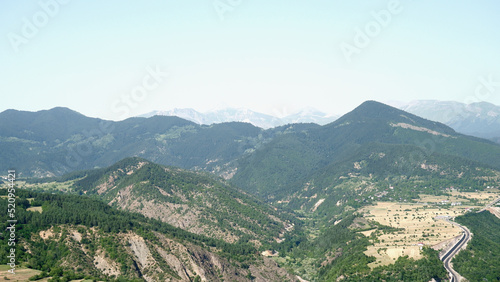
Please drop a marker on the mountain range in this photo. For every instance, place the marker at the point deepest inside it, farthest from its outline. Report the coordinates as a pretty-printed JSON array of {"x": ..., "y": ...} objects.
[
  {"x": 371, "y": 148},
  {"x": 57, "y": 141},
  {"x": 164, "y": 198},
  {"x": 480, "y": 119},
  {"x": 265, "y": 121}
]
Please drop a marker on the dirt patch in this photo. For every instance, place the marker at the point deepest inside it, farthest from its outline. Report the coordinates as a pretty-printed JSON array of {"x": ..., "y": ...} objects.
[
  {"x": 35, "y": 209},
  {"x": 419, "y": 128},
  {"x": 270, "y": 271},
  {"x": 178, "y": 215},
  {"x": 270, "y": 253},
  {"x": 76, "y": 236},
  {"x": 46, "y": 234},
  {"x": 319, "y": 202},
  {"x": 445, "y": 244},
  {"x": 106, "y": 266},
  {"x": 140, "y": 250}
]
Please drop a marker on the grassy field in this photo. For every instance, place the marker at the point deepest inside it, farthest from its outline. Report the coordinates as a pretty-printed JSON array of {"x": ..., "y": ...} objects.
[
  {"x": 22, "y": 274},
  {"x": 49, "y": 187}
]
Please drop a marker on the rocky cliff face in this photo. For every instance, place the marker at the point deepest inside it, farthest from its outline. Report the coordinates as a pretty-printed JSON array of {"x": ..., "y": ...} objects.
[{"x": 130, "y": 255}]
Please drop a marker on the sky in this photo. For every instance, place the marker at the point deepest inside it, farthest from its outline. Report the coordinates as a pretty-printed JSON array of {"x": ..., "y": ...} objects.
[{"x": 117, "y": 59}]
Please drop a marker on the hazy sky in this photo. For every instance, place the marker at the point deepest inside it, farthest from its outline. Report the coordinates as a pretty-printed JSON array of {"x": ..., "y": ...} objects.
[{"x": 110, "y": 59}]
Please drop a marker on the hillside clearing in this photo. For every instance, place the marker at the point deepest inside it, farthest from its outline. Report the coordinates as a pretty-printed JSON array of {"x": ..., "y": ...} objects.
[{"x": 21, "y": 274}]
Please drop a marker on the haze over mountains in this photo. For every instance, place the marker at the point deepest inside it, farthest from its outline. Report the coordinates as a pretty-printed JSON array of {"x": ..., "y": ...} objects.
[
  {"x": 480, "y": 119},
  {"x": 261, "y": 120}
]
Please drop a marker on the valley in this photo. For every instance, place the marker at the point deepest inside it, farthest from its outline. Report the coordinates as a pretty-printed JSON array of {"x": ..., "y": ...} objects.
[{"x": 165, "y": 199}]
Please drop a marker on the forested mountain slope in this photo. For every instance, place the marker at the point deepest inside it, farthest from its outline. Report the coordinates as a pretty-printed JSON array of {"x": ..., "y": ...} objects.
[
  {"x": 75, "y": 237},
  {"x": 372, "y": 144},
  {"x": 193, "y": 201}
]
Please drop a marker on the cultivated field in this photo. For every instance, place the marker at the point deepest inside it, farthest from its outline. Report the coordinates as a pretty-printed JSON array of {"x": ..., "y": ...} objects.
[{"x": 418, "y": 223}]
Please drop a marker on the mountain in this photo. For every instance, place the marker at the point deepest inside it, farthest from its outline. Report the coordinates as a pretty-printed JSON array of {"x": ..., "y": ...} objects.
[
  {"x": 236, "y": 190},
  {"x": 51, "y": 126},
  {"x": 193, "y": 201},
  {"x": 308, "y": 115},
  {"x": 71, "y": 237},
  {"x": 58, "y": 141},
  {"x": 369, "y": 149},
  {"x": 480, "y": 119}
]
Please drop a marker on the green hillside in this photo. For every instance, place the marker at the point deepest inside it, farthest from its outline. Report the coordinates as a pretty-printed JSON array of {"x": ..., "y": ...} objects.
[
  {"x": 479, "y": 261},
  {"x": 76, "y": 237},
  {"x": 58, "y": 141},
  {"x": 294, "y": 189},
  {"x": 190, "y": 200},
  {"x": 374, "y": 141}
]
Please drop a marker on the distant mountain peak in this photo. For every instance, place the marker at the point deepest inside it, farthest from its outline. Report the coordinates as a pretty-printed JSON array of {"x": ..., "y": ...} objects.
[
  {"x": 63, "y": 110},
  {"x": 374, "y": 109},
  {"x": 480, "y": 119},
  {"x": 222, "y": 115},
  {"x": 375, "y": 113}
]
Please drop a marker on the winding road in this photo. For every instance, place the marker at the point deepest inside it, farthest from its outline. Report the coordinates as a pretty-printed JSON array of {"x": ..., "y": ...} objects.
[
  {"x": 466, "y": 236},
  {"x": 448, "y": 256}
]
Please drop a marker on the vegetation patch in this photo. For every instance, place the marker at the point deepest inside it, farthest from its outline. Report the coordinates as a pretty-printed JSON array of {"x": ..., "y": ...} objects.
[{"x": 479, "y": 261}]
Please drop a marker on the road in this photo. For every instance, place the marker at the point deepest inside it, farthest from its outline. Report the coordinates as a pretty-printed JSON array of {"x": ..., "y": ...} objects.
[
  {"x": 490, "y": 205},
  {"x": 466, "y": 236},
  {"x": 448, "y": 256}
]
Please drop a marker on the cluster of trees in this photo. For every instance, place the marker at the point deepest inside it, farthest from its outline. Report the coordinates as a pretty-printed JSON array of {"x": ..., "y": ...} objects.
[{"x": 407, "y": 269}]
